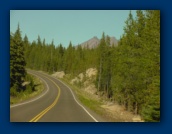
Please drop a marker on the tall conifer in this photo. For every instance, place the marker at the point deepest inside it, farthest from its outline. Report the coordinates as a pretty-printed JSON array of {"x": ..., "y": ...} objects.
[{"x": 17, "y": 61}]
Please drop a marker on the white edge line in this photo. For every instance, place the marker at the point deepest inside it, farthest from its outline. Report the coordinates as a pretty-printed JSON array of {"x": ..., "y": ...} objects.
[
  {"x": 35, "y": 98},
  {"x": 77, "y": 101}
]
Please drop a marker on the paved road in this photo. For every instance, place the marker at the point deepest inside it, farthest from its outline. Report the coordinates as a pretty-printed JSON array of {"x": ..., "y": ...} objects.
[{"x": 56, "y": 104}]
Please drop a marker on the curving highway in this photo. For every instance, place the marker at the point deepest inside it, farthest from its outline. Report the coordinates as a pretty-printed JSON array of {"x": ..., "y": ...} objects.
[{"x": 57, "y": 103}]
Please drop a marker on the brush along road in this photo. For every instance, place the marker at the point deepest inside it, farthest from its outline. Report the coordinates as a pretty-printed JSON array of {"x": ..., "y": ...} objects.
[{"x": 57, "y": 103}]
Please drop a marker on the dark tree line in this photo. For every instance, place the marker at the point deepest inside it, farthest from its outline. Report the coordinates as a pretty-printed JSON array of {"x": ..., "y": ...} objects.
[
  {"x": 17, "y": 62},
  {"x": 18, "y": 74},
  {"x": 50, "y": 58},
  {"x": 136, "y": 65},
  {"x": 128, "y": 74}
]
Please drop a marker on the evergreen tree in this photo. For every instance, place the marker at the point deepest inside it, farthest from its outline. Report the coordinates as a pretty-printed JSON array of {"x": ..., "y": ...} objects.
[
  {"x": 151, "y": 106},
  {"x": 68, "y": 59},
  {"x": 26, "y": 47},
  {"x": 129, "y": 74},
  {"x": 17, "y": 62},
  {"x": 101, "y": 56}
]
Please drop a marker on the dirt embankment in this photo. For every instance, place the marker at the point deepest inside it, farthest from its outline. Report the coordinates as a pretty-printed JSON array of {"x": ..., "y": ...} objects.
[
  {"x": 58, "y": 74},
  {"x": 118, "y": 112},
  {"x": 86, "y": 82}
]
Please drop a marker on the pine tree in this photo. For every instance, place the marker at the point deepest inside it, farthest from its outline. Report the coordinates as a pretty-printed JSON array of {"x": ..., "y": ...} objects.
[
  {"x": 68, "y": 59},
  {"x": 151, "y": 107},
  {"x": 17, "y": 61},
  {"x": 101, "y": 56},
  {"x": 108, "y": 67},
  {"x": 136, "y": 66},
  {"x": 129, "y": 73},
  {"x": 26, "y": 47}
]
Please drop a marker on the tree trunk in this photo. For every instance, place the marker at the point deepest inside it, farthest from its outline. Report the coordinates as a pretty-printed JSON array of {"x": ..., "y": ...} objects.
[
  {"x": 136, "y": 108},
  {"x": 100, "y": 75}
]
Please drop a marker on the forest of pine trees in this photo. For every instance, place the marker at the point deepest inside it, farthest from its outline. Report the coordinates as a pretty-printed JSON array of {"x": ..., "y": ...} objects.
[
  {"x": 18, "y": 74},
  {"x": 129, "y": 74}
]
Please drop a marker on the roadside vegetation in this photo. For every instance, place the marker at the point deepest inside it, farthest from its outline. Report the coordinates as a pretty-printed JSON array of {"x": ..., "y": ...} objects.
[
  {"x": 34, "y": 88},
  {"x": 89, "y": 100},
  {"x": 128, "y": 74},
  {"x": 85, "y": 91},
  {"x": 22, "y": 84}
]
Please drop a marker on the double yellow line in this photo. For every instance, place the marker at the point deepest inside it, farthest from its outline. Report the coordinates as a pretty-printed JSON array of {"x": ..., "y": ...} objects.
[{"x": 37, "y": 117}]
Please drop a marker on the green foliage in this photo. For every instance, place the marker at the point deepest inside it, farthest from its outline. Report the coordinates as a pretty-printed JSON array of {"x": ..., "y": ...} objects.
[
  {"x": 104, "y": 66},
  {"x": 151, "y": 108},
  {"x": 17, "y": 62},
  {"x": 31, "y": 86},
  {"x": 136, "y": 66},
  {"x": 47, "y": 57},
  {"x": 13, "y": 90},
  {"x": 129, "y": 74},
  {"x": 30, "y": 90}
]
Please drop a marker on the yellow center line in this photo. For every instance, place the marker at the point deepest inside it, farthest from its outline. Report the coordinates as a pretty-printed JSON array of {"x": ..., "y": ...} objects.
[{"x": 37, "y": 117}]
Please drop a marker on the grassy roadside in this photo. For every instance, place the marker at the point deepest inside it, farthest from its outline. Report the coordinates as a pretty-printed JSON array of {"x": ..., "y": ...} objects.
[
  {"x": 90, "y": 101},
  {"x": 39, "y": 87}
]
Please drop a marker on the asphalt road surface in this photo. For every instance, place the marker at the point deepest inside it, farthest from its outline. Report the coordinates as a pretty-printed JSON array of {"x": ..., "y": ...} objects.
[{"x": 57, "y": 103}]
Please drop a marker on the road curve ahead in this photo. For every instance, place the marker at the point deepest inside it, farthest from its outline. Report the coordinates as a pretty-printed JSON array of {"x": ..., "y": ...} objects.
[{"x": 56, "y": 104}]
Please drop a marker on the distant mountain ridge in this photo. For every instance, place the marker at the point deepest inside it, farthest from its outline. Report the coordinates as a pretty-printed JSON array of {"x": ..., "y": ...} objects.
[{"x": 94, "y": 42}]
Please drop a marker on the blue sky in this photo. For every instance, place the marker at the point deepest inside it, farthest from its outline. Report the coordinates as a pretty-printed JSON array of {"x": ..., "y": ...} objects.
[{"x": 64, "y": 26}]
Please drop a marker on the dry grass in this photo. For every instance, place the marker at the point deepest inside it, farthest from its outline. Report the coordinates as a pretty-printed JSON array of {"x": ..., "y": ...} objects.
[{"x": 112, "y": 112}]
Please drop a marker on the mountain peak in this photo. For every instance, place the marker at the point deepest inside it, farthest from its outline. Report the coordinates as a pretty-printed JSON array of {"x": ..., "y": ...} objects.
[
  {"x": 94, "y": 42},
  {"x": 95, "y": 37}
]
